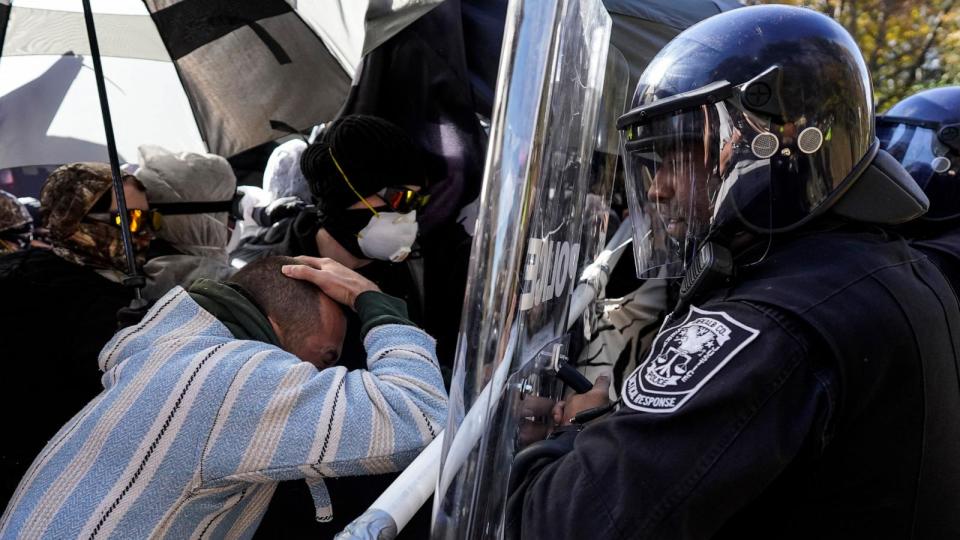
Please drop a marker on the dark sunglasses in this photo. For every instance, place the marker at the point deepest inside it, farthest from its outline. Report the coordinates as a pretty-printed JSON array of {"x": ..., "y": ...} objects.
[
  {"x": 141, "y": 221},
  {"x": 402, "y": 199}
]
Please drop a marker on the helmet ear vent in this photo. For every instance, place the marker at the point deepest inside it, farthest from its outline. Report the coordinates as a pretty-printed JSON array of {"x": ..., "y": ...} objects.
[
  {"x": 765, "y": 145},
  {"x": 810, "y": 140},
  {"x": 940, "y": 164}
]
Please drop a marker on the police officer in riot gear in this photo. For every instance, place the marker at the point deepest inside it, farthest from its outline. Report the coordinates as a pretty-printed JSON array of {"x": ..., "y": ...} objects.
[
  {"x": 807, "y": 385},
  {"x": 923, "y": 133}
]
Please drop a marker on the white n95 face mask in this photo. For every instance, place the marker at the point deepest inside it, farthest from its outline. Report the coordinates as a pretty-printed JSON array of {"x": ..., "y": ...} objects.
[{"x": 389, "y": 236}]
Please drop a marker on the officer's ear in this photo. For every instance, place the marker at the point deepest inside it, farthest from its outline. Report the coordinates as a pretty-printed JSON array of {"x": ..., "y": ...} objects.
[{"x": 885, "y": 194}]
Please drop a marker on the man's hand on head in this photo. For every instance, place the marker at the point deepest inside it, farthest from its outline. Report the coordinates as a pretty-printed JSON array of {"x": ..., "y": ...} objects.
[{"x": 334, "y": 279}]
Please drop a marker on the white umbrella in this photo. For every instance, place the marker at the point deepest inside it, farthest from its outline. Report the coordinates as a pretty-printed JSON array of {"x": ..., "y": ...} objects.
[{"x": 187, "y": 75}]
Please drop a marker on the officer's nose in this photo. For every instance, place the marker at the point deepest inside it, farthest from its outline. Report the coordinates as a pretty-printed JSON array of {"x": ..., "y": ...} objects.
[{"x": 661, "y": 189}]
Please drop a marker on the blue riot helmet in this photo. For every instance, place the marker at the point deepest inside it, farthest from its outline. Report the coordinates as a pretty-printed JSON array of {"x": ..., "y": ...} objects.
[
  {"x": 923, "y": 133},
  {"x": 758, "y": 119}
]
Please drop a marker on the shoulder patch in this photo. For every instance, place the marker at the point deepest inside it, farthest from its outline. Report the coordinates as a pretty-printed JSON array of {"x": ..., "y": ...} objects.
[{"x": 683, "y": 358}]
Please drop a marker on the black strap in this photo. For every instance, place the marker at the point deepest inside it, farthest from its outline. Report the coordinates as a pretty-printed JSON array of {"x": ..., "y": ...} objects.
[
  {"x": 192, "y": 207},
  {"x": 287, "y": 128},
  {"x": 190, "y": 24}
]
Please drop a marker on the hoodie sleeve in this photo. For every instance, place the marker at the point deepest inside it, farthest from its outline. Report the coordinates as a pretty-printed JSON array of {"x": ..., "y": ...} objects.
[{"x": 282, "y": 419}]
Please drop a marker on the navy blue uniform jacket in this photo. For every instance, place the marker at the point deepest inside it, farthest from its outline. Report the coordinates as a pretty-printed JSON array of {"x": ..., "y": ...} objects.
[{"x": 816, "y": 397}]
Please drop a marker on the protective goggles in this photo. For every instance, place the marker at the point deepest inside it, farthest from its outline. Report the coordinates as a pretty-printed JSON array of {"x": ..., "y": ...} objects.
[
  {"x": 142, "y": 222},
  {"x": 402, "y": 199},
  {"x": 398, "y": 199}
]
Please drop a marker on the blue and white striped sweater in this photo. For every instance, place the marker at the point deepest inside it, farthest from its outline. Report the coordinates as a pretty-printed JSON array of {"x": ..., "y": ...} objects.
[{"x": 194, "y": 429}]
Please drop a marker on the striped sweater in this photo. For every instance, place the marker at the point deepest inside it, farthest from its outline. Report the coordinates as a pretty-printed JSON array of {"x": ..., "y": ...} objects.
[{"x": 194, "y": 429}]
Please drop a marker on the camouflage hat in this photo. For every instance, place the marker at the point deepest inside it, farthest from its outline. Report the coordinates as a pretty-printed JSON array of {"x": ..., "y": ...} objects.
[
  {"x": 13, "y": 214},
  {"x": 70, "y": 192}
]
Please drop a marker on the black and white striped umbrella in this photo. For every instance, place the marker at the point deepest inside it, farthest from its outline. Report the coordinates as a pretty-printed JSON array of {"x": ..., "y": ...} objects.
[{"x": 189, "y": 75}]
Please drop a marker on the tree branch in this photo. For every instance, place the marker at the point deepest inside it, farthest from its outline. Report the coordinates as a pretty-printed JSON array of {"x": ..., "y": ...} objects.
[
  {"x": 881, "y": 38},
  {"x": 931, "y": 38}
]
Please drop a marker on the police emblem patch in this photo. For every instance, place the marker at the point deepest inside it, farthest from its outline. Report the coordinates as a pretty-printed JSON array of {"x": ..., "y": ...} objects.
[{"x": 682, "y": 360}]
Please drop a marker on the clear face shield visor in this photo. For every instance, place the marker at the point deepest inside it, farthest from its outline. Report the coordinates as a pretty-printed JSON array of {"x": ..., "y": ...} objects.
[
  {"x": 712, "y": 161},
  {"x": 672, "y": 181}
]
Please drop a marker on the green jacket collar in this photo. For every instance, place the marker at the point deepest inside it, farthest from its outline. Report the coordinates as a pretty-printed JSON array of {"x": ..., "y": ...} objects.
[{"x": 235, "y": 308}]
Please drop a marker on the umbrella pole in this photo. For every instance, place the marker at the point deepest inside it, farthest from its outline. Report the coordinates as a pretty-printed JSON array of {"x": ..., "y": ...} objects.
[{"x": 132, "y": 278}]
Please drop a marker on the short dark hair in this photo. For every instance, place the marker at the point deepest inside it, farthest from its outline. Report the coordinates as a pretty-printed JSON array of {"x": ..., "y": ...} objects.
[{"x": 292, "y": 303}]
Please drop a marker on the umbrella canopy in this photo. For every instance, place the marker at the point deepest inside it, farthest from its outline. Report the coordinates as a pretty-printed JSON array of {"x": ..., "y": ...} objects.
[{"x": 189, "y": 75}]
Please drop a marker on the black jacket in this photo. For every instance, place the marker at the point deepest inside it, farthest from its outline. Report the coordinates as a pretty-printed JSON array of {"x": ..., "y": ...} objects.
[
  {"x": 942, "y": 246},
  {"x": 55, "y": 316},
  {"x": 817, "y": 397}
]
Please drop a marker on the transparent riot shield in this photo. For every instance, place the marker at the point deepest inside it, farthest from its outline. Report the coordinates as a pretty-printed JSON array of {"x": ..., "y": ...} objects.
[
  {"x": 594, "y": 269},
  {"x": 525, "y": 254},
  {"x": 606, "y": 154}
]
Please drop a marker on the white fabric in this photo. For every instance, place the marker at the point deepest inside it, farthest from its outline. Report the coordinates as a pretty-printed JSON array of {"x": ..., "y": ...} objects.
[
  {"x": 252, "y": 197},
  {"x": 117, "y": 7},
  {"x": 34, "y": 32},
  {"x": 202, "y": 238},
  {"x": 189, "y": 177},
  {"x": 49, "y": 106},
  {"x": 282, "y": 176}
]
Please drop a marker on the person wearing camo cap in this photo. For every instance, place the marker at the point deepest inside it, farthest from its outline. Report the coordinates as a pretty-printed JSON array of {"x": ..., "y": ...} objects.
[
  {"x": 16, "y": 225},
  {"x": 80, "y": 211},
  {"x": 59, "y": 306}
]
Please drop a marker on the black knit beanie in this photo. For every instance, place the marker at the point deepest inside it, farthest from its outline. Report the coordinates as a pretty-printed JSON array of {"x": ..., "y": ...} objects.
[{"x": 373, "y": 154}]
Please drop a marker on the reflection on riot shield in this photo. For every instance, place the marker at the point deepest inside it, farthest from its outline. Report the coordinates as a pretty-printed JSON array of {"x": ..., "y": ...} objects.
[
  {"x": 525, "y": 256},
  {"x": 603, "y": 172},
  {"x": 606, "y": 153},
  {"x": 530, "y": 401}
]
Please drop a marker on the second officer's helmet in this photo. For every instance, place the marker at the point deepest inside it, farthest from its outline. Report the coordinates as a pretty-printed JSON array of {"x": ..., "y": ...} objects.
[
  {"x": 923, "y": 133},
  {"x": 756, "y": 119}
]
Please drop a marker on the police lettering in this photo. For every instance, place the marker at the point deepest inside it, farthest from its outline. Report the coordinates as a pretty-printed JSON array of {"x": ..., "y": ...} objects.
[{"x": 550, "y": 266}]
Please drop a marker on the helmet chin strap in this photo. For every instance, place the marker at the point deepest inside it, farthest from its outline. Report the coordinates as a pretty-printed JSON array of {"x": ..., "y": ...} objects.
[{"x": 712, "y": 266}]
